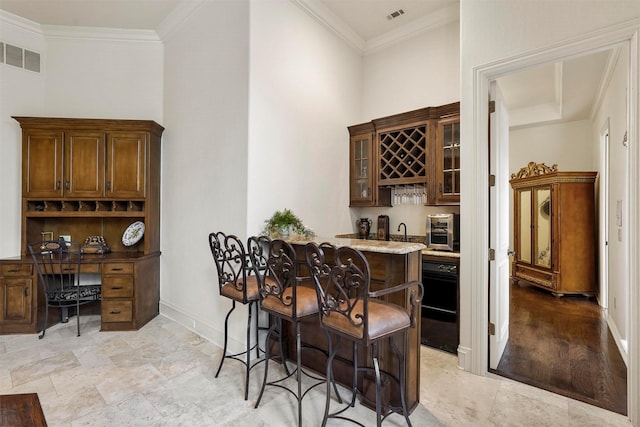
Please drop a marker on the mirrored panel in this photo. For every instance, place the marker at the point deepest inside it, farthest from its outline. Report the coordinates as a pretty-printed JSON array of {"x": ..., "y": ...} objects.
[
  {"x": 542, "y": 200},
  {"x": 524, "y": 251}
]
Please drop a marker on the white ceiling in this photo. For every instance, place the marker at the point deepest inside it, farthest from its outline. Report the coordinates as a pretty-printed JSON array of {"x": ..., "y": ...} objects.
[{"x": 550, "y": 93}]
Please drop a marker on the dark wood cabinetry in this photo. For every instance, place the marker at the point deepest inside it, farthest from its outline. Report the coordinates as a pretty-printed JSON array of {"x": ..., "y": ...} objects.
[
  {"x": 555, "y": 229},
  {"x": 419, "y": 147},
  {"x": 87, "y": 177},
  {"x": 16, "y": 295},
  {"x": 363, "y": 186}
]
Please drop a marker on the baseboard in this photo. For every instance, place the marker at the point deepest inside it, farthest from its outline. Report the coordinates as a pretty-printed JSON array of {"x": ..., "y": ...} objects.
[
  {"x": 618, "y": 339},
  {"x": 200, "y": 327}
]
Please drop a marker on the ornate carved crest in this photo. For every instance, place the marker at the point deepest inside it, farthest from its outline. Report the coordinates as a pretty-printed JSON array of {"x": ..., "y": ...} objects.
[{"x": 533, "y": 169}]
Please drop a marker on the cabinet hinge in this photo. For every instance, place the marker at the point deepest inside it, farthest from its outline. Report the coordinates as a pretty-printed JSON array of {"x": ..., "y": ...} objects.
[
  {"x": 492, "y": 328},
  {"x": 492, "y": 107},
  {"x": 492, "y": 254},
  {"x": 492, "y": 180}
]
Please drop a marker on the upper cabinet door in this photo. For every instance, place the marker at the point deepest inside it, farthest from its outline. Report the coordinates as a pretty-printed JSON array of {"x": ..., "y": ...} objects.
[
  {"x": 126, "y": 164},
  {"x": 448, "y": 161},
  {"x": 42, "y": 163},
  {"x": 84, "y": 167},
  {"x": 361, "y": 188}
]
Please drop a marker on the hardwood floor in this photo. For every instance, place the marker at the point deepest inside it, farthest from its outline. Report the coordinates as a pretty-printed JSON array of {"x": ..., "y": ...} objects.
[{"x": 564, "y": 345}]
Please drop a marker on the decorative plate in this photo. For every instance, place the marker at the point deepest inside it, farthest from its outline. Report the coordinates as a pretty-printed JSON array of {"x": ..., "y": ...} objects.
[{"x": 133, "y": 233}]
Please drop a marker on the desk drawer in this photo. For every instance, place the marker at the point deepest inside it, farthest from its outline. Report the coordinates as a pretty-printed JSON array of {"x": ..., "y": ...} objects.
[
  {"x": 9, "y": 270},
  {"x": 118, "y": 268},
  {"x": 117, "y": 286},
  {"x": 117, "y": 311}
]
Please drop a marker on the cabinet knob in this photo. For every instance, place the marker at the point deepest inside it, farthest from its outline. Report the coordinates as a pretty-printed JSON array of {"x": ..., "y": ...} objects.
[
  {"x": 57, "y": 185},
  {"x": 66, "y": 185},
  {"x": 108, "y": 185},
  {"x": 26, "y": 292}
]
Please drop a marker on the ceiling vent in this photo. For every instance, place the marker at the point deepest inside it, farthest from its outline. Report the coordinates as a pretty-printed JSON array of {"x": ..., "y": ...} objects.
[{"x": 394, "y": 15}]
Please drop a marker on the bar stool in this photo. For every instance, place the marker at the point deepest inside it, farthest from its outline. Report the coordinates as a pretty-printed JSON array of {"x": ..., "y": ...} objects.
[
  {"x": 349, "y": 310},
  {"x": 237, "y": 282},
  {"x": 284, "y": 298}
]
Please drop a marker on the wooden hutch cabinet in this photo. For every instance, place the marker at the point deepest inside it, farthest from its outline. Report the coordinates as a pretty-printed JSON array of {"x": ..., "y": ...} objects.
[
  {"x": 420, "y": 147},
  {"x": 89, "y": 177},
  {"x": 555, "y": 229}
]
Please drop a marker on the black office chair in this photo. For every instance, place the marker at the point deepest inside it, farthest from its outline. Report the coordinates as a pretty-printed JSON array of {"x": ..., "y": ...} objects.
[
  {"x": 349, "y": 310},
  {"x": 236, "y": 281},
  {"x": 58, "y": 265}
]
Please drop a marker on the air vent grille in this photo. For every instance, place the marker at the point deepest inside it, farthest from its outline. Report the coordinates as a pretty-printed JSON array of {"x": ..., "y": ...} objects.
[
  {"x": 19, "y": 57},
  {"x": 395, "y": 14}
]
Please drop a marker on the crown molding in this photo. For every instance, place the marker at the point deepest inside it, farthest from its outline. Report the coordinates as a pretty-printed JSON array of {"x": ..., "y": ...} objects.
[
  {"x": 439, "y": 18},
  {"x": 20, "y": 22},
  {"x": 99, "y": 33},
  {"x": 73, "y": 32},
  {"x": 326, "y": 17},
  {"x": 176, "y": 18}
]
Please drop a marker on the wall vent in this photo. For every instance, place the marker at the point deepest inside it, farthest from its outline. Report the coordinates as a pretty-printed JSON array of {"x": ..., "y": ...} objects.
[
  {"x": 19, "y": 57},
  {"x": 394, "y": 15}
]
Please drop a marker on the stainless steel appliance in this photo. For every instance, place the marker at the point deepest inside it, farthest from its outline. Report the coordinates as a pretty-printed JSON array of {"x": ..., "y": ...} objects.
[
  {"x": 443, "y": 232},
  {"x": 440, "y": 322}
]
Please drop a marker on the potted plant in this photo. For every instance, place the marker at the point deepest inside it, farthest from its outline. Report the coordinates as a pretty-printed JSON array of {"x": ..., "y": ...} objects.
[{"x": 282, "y": 223}]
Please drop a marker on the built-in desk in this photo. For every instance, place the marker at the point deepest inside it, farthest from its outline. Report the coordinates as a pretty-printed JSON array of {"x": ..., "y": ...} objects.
[
  {"x": 391, "y": 263},
  {"x": 130, "y": 291}
]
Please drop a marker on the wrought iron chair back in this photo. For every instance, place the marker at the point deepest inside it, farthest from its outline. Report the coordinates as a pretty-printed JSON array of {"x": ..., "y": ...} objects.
[
  {"x": 232, "y": 265},
  {"x": 281, "y": 277},
  {"x": 58, "y": 265},
  {"x": 342, "y": 286}
]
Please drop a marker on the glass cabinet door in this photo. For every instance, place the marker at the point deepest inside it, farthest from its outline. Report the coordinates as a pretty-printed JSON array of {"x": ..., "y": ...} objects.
[
  {"x": 542, "y": 229},
  {"x": 524, "y": 210},
  {"x": 448, "y": 147},
  {"x": 361, "y": 182}
]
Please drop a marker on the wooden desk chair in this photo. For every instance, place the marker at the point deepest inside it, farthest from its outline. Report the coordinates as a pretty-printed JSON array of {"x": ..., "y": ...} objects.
[
  {"x": 58, "y": 265},
  {"x": 348, "y": 309}
]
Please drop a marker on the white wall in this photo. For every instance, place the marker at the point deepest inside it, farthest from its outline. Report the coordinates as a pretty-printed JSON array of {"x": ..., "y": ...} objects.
[
  {"x": 419, "y": 72},
  {"x": 204, "y": 160},
  {"x": 567, "y": 144},
  {"x": 415, "y": 73},
  {"x": 21, "y": 94},
  {"x": 305, "y": 90},
  {"x": 94, "y": 78},
  {"x": 499, "y": 33},
  {"x": 614, "y": 110}
]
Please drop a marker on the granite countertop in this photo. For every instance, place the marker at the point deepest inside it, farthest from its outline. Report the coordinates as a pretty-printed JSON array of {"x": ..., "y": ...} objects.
[
  {"x": 397, "y": 238},
  {"x": 382, "y": 246}
]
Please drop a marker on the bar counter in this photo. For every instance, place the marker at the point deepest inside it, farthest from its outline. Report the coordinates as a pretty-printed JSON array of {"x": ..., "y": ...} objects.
[{"x": 391, "y": 263}]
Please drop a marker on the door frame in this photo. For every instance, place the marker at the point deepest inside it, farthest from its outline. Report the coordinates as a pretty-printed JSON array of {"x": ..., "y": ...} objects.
[
  {"x": 603, "y": 291},
  {"x": 474, "y": 358}
]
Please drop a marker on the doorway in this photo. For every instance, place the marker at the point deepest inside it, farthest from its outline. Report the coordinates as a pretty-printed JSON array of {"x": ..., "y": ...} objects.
[{"x": 608, "y": 343}]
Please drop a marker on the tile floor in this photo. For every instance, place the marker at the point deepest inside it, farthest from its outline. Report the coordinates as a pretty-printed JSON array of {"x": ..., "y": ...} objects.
[{"x": 162, "y": 375}]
